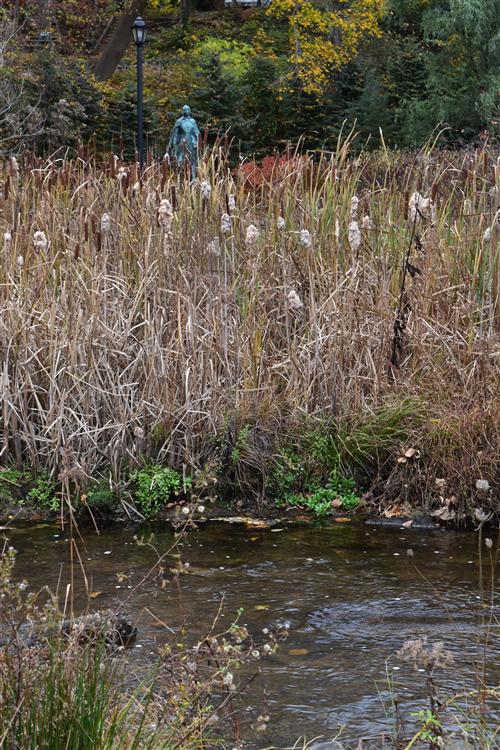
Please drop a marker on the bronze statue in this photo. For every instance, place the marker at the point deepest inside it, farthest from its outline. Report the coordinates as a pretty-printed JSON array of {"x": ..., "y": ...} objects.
[{"x": 183, "y": 143}]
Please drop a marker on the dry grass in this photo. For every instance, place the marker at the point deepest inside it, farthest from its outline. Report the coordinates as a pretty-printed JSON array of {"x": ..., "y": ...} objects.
[{"x": 143, "y": 338}]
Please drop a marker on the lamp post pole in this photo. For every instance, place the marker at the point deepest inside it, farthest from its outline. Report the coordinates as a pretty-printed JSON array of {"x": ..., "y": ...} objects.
[{"x": 139, "y": 34}]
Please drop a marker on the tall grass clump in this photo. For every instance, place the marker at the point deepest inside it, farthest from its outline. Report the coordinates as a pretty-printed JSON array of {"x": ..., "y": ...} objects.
[
  {"x": 140, "y": 319},
  {"x": 71, "y": 683}
]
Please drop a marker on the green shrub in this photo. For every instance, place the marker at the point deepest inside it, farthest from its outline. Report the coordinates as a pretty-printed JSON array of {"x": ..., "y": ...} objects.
[
  {"x": 99, "y": 495},
  {"x": 156, "y": 486}
]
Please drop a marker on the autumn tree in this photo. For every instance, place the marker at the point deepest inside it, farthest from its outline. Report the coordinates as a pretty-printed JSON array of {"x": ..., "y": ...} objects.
[{"x": 325, "y": 35}]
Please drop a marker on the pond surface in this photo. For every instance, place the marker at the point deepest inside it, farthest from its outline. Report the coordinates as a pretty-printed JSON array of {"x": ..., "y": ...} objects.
[{"x": 349, "y": 593}]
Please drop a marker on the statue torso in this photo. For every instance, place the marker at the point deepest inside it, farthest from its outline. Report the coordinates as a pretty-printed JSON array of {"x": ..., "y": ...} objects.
[{"x": 188, "y": 130}]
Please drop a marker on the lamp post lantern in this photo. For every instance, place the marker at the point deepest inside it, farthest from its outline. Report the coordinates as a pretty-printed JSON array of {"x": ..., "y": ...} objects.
[{"x": 139, "y": 34}]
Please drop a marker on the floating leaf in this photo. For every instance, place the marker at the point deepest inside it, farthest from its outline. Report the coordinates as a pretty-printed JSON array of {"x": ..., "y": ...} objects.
[
  {"x": 95, "y": 594},
  {"x": 408, "y": 524},
  {"x": 298, "y": 651},
  {"x": 262, "y": 607}
]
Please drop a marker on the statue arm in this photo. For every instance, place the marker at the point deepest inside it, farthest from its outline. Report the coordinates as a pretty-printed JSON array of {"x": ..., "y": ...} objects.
[{"x": 174, "y": 138}]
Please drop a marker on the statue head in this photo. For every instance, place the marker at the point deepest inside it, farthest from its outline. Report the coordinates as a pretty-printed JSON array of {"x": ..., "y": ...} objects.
[{"x": 186, "y": 111}]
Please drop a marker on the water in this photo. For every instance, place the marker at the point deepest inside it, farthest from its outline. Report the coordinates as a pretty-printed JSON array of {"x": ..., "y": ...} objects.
[{"x": 349, "y": 593}]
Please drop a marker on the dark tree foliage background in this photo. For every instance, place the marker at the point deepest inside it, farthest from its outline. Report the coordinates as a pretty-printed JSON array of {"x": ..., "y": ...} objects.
[{"x": 434, "y": 67}]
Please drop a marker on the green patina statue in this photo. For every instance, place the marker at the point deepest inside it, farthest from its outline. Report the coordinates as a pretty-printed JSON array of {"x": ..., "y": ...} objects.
[{"x": 183, "y": 143}]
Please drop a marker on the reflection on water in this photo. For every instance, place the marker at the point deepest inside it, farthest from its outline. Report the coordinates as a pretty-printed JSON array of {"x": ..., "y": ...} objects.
[{"x": 349, "y": 593}]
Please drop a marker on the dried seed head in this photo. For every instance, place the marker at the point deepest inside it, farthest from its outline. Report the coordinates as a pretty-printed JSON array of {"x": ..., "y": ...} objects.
[
  {"x": 481, "y": 515},
  {"x": 151, "y": 199},
  {"x": 354, "y": 236},
  {"x": 482, "y": 485},
  {"x": 281, "y": 223},
  {"x": 305, "y": 238},
  {"x": 252, "y": 234},
  {"x": 487, "y": 235},
  {"x": 7, "y": 240},
  {"x": 105, "y": 223},
  {"x": 225, "y": 224},
  {"x": 367, "y": 223},
  {"x": 231, "y": 203},
  {"x": 214, "y": 246},
  {"x": 294, "y": 301},
  {"x": 418, "y": 207},
  {"x": 165, "y": 214},
  {"x": 121, "y": 174},
  {"x": 40, "y": 241},
  {"x": 354, "y": 207},
  {"x": 206, "y": 189},
  {"x": 20, "y": 261}
]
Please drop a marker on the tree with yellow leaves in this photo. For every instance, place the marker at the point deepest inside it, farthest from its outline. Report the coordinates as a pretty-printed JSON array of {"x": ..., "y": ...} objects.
[{"x": 325, "y": 35}]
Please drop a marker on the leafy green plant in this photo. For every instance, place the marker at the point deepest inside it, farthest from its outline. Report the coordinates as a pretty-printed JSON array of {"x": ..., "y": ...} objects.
[
  {"x": 240, "y": 444},
  {"x": 43, "y": 493},
  {"x": 287, "y": 475},
  {"x": 156, "y": 486},
  {"x": 338, "y": 493},
  {"x": 100, "y": 495}
]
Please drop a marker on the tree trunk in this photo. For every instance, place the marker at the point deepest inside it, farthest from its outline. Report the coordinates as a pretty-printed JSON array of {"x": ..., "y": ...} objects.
[
  {"x": 118, "y": 42},
  {"x": 185, "y": 11}
]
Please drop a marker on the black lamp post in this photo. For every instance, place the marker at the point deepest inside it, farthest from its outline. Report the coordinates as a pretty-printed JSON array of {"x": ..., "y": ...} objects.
[{"x": 139, "y": 34}]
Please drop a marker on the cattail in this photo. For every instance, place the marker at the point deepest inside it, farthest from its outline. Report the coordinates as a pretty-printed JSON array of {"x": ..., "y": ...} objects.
[
  {"x": 281, "y": 223},
  {"x": 366, "y": 223},
  {"x": 14, "y": 168},
  {"x": 136, "y": 188},
  {"x": 20, "y": 261},
  {"x": 225, "y": 224},
  {"x": 40, "y": 241},
  {"x": 7, "y": 241},
  {"x": 165, "y": 214},
  {"x": 231, "y": 204},
  {"x": 214, "y": 246},
  {"x": 337, "y": 229},
  {"x": 354, "y": 236},
  {"x": 167, "y": 242},
  {"x": 206, "y": 190},
  {"x": 354, "y": 207},
  {"x": 305, "y": 238},
  {"x": 151, "y": 199},
  {"x": 121, "y": 174},
  {"x": 467, "y": 206},
  {"x": 105, "y": 223},
  {"x": 487, "y": 235},
  {"x": 294, "y": 301},
  {"x": 418, "y": 206},
  {"x": 252, "y": 234}
]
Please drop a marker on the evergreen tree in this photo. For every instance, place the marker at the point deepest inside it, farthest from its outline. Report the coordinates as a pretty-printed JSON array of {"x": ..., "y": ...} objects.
[{"x": 215, "y": 99}]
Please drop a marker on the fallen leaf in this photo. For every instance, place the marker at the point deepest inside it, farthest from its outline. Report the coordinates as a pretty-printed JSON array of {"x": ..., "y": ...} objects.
[
  {"x": 410, "y": 453},
  {"x": 95, "y": 594},
  {"x": 393, "y": 512},
  {"x": 298, "y": 651},
  {"x": 407, "y": 524},
  {"x": 342, "y": 519},
  {"x": 337, "y": 503},
  {"x": 275, "y": 531},
  {"x": 444, "y": 514},
  {"x": 261, "y": 607}
]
